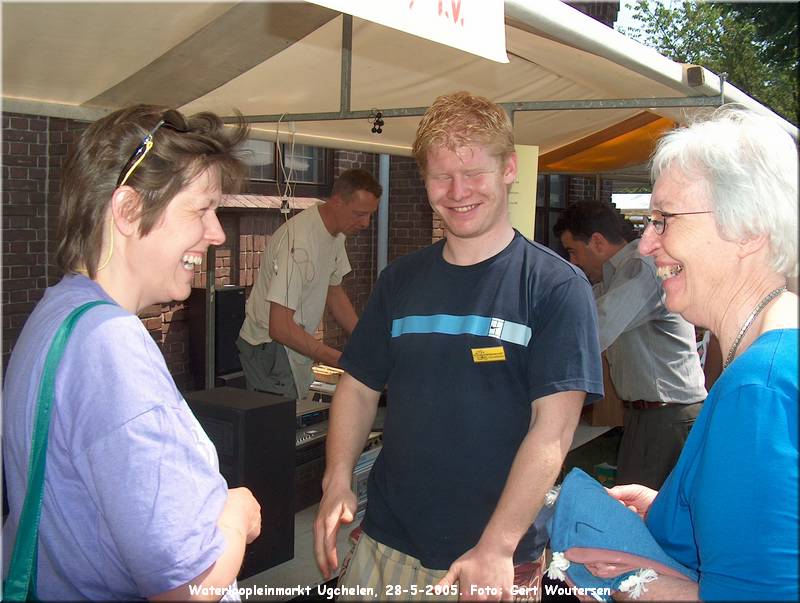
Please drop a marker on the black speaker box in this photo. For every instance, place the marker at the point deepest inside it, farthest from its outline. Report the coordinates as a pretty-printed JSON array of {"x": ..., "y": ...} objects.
[
  {"x": 254, "y": 434},
  {"x": 229, "y": 303}
]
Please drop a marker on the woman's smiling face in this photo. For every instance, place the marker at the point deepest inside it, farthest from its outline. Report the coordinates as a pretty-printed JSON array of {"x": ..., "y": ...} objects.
[
  {"x": 692, "y": 258},
  {"x": 163, "y": 261}
]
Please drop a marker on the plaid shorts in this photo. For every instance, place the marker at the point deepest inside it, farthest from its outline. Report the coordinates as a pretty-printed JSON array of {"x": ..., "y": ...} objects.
[{"x": 373, "y": 570}]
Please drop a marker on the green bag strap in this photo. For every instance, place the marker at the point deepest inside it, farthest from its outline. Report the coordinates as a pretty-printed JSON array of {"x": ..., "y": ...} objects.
[{"x": 20, "y": 584}]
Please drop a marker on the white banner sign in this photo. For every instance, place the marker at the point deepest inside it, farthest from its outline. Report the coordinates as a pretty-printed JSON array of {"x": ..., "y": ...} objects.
[
  {"x": 522, "y": 197},
  {"x": 476, "y": 26}
]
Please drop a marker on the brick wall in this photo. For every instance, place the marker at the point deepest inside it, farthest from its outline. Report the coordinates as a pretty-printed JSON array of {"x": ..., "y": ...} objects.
[
  {"x": 24, "y": 173},
  {"x": 34, "y": 149},
  {"x": 606, "y": 188},
  {"x": 348, "y": 160},
  {"x": 63, "y": 134},
  {"x": 581, "y": 189},
  {"x": 584, "y": 188},
  {"x": 168, "y": 325},
  {"x": 255, "y": 230},
  {"x": 411, "y": 219}
]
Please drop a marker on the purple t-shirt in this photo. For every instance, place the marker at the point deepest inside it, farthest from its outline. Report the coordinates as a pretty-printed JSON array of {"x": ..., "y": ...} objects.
[{"x": 132, "y": 488}]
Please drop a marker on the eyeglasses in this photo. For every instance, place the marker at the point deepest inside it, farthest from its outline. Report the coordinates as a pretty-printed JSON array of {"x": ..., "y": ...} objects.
[
  {"x": 659, "y": 218},
  {"x": 170, "y": 119}
]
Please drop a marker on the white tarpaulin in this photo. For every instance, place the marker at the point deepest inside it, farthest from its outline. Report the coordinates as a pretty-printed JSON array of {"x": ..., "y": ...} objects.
[{"x": 572, "y": 82}]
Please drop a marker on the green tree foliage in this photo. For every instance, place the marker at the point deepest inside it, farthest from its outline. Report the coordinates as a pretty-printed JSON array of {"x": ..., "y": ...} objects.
[{"x": 754, "y": 43}]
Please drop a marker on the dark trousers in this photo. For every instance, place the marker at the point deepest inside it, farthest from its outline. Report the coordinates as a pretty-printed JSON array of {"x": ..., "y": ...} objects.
[
  {"x": 266, "y": 368},
  {"x": 652, "y": 441}
]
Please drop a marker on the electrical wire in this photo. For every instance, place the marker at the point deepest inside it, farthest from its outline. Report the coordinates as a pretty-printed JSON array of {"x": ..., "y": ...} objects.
[
  {"x": 288, "y": 185},
  {"x": 289, "y": 181}
]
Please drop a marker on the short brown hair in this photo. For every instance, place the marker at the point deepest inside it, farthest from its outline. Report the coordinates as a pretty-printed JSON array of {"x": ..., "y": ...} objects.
[
  {"x": 176, "y": 158},
  {"x": 351, "y": 181},
  {"x": 461, "y": 119}
]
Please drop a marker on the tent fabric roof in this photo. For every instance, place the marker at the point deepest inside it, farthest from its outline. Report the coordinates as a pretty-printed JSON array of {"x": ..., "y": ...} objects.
[
  {"x": 83, "y": 60},
  {"x": 621, "y": 146}
]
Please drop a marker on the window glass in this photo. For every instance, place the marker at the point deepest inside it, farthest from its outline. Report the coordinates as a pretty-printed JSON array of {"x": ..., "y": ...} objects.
[
  {"x": 558, "y": 194},
  {"x": 540, "y": 191},
  {"x": 303, "y": 163},
  {"x": 260, "y": 157},
  {"x": 539, "y": 227}
]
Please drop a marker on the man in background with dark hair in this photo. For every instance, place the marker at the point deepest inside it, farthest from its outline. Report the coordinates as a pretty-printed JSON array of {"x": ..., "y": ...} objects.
[
  {"x": 651, "y": 352},
  {"x": 300, "y": 274}
]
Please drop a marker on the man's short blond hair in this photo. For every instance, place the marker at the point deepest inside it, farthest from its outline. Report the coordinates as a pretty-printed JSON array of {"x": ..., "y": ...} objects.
[{"x": 462, "y": 119}]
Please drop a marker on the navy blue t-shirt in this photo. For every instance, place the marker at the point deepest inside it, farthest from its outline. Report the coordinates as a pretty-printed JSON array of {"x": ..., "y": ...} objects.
[{"x": 463, "y": 351}]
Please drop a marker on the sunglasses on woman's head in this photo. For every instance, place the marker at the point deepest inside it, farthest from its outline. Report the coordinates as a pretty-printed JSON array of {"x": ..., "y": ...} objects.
[{"x": 170, "y": 119}]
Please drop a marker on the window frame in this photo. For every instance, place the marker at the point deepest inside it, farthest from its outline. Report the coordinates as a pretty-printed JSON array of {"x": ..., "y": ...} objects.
[
  {"x": 545, "y": 210},
  {"x": 276, "y": 185}
]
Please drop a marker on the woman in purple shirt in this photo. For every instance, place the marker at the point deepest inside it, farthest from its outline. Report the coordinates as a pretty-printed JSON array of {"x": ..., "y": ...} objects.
[{"x": 134, "y": 505}]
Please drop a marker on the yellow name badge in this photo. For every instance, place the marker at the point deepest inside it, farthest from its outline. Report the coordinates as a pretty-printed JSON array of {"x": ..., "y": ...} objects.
[{"x": 497, "y": 354}]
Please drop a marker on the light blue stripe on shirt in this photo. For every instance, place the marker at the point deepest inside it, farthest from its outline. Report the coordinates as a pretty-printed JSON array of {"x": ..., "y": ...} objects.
[{"x": 447, "y": 324}]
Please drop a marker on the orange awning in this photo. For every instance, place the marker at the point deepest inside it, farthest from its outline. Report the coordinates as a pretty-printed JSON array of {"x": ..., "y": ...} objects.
[{"x": 630, "y": 142}]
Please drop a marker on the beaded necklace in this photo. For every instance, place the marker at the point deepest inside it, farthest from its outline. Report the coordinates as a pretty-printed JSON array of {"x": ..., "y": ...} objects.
[{"x": 761, "y": 305}]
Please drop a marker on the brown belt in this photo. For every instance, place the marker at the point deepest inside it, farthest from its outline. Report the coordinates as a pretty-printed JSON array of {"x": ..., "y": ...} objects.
[{"x": 644, "y": 404}]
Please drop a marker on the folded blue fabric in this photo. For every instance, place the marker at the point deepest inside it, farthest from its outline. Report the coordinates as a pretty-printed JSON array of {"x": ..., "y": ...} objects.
[{"x": 588, "y": 517}]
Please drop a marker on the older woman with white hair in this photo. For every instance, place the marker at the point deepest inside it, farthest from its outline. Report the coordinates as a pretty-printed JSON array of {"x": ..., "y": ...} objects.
[{"x": 723, "y": 234}]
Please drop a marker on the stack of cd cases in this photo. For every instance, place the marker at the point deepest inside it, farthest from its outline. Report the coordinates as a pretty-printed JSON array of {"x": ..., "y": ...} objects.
[{"x": 360, "y": 475}]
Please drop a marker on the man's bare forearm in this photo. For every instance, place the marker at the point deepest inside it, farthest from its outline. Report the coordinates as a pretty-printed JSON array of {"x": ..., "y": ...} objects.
[
  {"x": 352, "y": 414},
  {"x": 535, "y": 468},
  {"x": 284, "y": 330}
]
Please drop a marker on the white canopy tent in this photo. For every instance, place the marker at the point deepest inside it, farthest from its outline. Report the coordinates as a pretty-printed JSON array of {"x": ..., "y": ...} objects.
[{"x": 591, "y": 99}]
